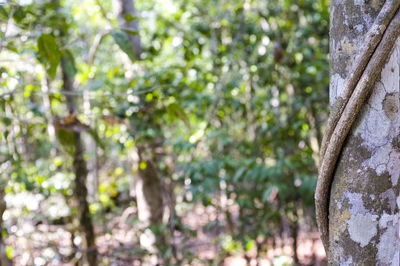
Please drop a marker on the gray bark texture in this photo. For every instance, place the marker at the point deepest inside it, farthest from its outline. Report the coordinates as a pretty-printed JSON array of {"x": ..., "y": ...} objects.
[
  {"x": 372, "y": 56},
  {"x": 364, "y": 196}
]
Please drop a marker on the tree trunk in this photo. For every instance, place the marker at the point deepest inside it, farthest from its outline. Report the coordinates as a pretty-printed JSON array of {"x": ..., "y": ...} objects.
[
  {"x": 149, "y": 198},
  {"x": 80, "y": 171},
  {"x": 81, "y": 193},
  {"x": 148, "y": 186},
  {"x": 44, "y": 86},
  {"x": 148, "y": 191},
  {"x": 4, "y": 260},
  {"x": 363, "y": 209},
  {"x": 295, "y": 234}
]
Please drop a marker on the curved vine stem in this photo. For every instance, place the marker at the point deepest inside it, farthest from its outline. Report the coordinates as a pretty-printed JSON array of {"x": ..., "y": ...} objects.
[{"x": 371, "y": 58}]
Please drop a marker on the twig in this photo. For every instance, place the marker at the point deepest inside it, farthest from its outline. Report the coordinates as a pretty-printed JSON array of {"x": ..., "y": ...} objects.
[
  {"x": 96, "y": 43},
  {"x": 6, "y": 27},
  {"x": 103, "y": 12}
]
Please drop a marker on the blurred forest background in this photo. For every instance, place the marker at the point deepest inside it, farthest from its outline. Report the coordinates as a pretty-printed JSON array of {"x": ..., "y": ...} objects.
[{"x": 161, "y": 132}]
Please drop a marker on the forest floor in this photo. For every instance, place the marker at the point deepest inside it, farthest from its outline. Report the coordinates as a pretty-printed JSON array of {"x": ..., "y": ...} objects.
[
  {"x": 310, "y": 250},
  {"x": 37, "y": 242}
]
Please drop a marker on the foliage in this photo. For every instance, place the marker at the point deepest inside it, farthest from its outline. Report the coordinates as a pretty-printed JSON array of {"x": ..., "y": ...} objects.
[{"x": 233, "y": 91}]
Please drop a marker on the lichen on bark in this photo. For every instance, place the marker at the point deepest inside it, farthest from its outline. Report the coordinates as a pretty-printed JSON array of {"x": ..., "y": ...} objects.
[{"x": 364, "y": 203}]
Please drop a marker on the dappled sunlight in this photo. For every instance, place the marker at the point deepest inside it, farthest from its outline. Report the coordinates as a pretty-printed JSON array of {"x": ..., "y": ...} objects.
[{"x": 157, "y": 132}]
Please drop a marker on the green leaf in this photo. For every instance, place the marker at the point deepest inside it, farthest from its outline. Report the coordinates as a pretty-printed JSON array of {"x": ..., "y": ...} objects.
[
  {"x": 267, "y": 194},
  {"x": 3, "y": 13},
  {"x": 9, "y": 252},
  {"x": 19, "y": 14},
  {"x": 67, "y": 139},
  {"x": 129, "y": 17},
  {"x": 239, "y": 174},
  {"x": 96, "y": 138},
  {"x": 249, "y": 245},
  {"x": 6, "y": 120},
  {"x": 131, "y": 32},
  {"x": 11, "y": 46},
  {"x": 49, "y": 53},
  {"x": 122, "y": 40},
  {"x": 176, "y": 110}
]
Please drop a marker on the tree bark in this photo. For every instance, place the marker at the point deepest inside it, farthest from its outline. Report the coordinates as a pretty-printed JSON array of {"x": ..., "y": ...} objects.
[
  {"x": 364, "y": 199},
  {"x": 148, "y": 186},
  {"x": 148, "y": 189},
  {"x": 295, "y": 234},
  {"x": 81, "y": 172},
  {"x": 4, "y": 260},
  {"x": 81, "y": 193},
  {"x": 44, "y": 86},
  {"x": 149, "y": 198}
]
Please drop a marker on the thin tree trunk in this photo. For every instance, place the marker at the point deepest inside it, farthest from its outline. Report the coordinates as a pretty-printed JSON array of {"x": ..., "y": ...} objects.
[
  {"x": 79, "y": 163},
  {"x": 80, "y": 171},
  {"x": 91, "y": 147},
  {"x": 80, "y": 193},
  {"x": 363, "y": 210},
  {"x": 4, "y": 260},
  {"x": 295, "y": 234},
  {"x": 44, "y": 86}
]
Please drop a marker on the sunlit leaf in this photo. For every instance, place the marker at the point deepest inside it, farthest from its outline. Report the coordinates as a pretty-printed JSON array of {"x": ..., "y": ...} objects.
[
  {"x": 129, "y": 17},
  {"x": 49, "y": 52},
  {"x": 122, "y": 40},
  {"x": 9, "y": 252}
]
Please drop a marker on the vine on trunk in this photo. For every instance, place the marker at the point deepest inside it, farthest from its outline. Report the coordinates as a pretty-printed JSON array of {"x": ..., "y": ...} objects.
[{"x": 375, "y": 50}]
